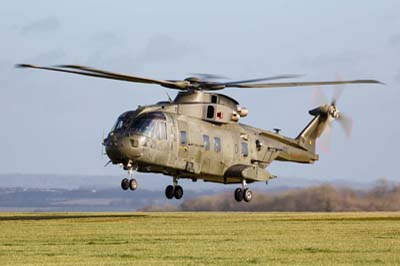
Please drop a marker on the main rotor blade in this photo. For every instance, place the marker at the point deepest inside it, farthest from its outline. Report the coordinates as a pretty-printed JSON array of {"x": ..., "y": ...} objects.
[
  {"x": 307, "y": 83},
  {"x": 86, "y": 71},
  {"x": 118, "y": 75},
  {"x": 207, "y": 76},
  {"x": 288, "y": 76}
]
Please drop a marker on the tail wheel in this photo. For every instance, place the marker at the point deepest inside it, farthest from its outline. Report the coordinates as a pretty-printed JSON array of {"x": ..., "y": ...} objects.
[
  {"x": 238, "y": 194},
  {"x": 247, "y": 195},
  {"x": 125, "y": 184},
  {"x": 169, "y": 192},
  {"x": 178, "y": 193}
]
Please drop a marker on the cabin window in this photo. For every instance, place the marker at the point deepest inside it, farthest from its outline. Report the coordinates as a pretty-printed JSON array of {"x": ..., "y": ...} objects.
[
  {"x": 214, "y": 99},
  {"x": 206, "y": 142},
  {"x": 245, "y": 149},
  {"x": 184, "y": 138},
  {"x": 259, "y": 145},
  {"x": 210, "y": 111},
  {"x": 217, "y": 144}
]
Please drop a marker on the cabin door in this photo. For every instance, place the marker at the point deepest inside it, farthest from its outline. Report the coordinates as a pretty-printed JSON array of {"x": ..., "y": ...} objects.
[
  {"x": 195, "y": 148},
  {"x": 183, "y": 140}
]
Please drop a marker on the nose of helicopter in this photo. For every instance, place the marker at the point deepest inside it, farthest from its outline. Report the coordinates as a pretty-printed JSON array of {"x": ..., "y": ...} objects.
[{"x": 121, "y": 148}]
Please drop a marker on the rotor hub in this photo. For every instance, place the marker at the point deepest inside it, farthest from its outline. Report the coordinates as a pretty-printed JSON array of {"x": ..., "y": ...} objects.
[
  {"x": 193, "y": 80},
  {"x": 333, "y": 111}
]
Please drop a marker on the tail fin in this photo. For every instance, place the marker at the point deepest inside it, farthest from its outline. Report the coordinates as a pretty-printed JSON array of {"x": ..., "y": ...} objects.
[{"x": 314, "y": 129}]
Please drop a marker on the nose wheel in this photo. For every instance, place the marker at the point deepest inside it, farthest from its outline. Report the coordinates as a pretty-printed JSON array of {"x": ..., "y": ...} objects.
[
  {"x": 125, "y": 184},
  {"x": 243, "y": 193},
  {"x": 130, "y": 182},
  {"x": 174, "y": 191}
]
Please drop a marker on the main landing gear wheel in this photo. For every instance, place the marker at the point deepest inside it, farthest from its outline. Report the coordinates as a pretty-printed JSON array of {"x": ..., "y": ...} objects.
[
  {"x": 247, "y": 195},
  {"x": 243, "y": 193},
  {"x": 133, "y": 184},
  {"x": 238, "y": 194},
  {"x": 178, "y": 193},
  {"x": 169, "y": 192},
  {"x": 175, "y": 190},
  {"x": 125, "y": 184}
]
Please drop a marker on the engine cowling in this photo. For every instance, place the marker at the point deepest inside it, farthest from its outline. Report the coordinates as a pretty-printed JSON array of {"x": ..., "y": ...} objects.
[{"x": 242, "y": 111}]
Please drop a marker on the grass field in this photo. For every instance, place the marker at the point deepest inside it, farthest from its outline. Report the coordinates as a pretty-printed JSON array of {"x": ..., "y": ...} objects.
[{"x": 200, "y": 239}]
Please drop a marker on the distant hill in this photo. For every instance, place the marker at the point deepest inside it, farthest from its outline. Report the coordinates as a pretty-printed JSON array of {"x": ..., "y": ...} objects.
[
  {"x": 28, "y": 199},
  {"x": 157, "y": 182},
  {"x": 48, "y": 192},
  {"x": 323, "y": 198},
  {"x": 272, "y": 198}
]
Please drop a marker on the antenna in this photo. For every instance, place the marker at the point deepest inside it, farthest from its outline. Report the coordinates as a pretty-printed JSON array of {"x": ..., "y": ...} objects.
[{"x": 169, "y": 97}]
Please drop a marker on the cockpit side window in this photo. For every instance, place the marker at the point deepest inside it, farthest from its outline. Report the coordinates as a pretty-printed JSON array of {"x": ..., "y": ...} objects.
[
  {"x": 143, "y": 126},
  {"x": 151, "y": 125},
  {"x": 160, "y": 130}
]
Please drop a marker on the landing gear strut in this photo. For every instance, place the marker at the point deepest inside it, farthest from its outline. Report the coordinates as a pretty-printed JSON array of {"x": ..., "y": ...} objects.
[
  {"x": 174, "y": 190},
  {"x": 243, "y": 193},
  {"x": 130, "y": 182}
]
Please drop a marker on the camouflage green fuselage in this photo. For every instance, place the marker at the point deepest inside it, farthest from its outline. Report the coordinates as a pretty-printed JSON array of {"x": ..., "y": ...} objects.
[{"x": 187, "y": 146}]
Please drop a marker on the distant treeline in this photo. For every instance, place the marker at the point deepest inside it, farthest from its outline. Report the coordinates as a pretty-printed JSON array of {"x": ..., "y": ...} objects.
[{"x": 323, "y": 198}]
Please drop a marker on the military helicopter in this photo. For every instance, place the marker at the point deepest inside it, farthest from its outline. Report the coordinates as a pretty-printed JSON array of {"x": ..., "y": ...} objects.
[{"x": 198, "y": 135}]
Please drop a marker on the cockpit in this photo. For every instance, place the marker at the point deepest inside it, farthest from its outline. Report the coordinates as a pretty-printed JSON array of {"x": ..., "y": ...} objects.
[
  {"x": 152, "y": 125},
  {"x": 123, "y": 121}
]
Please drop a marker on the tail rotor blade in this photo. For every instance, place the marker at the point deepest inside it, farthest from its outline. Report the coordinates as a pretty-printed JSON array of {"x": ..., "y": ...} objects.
[
  {"x": 337, "y": 93},
  {"x": 319, "y": 97},
  {"x": 346, "y": 123},
  {"x": 102, "y": 145}
]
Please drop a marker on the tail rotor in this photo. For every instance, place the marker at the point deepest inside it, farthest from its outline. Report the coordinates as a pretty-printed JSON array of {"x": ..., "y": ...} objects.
[{"x": 330, "y": 109}]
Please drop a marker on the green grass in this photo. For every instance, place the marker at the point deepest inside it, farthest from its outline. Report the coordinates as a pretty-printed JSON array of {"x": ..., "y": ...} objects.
[{"x": 200, "y": 239}]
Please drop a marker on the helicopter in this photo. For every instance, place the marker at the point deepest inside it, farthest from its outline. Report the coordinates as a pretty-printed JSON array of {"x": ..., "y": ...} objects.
[{"x": 198, "y": 135}]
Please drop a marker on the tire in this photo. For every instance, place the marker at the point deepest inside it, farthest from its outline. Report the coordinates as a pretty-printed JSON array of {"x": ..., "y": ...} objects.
[
  {"x": 247, "y": 195},
  {"x": 238, "y": 194},
  {"x": 169, "y": 192},
  {"x": 125, "y": 184},
  {"x": 133, "y": 184},
  {"x": 178, "y": 193}
]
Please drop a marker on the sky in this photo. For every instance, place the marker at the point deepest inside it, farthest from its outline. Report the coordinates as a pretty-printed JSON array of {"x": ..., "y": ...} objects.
[{"x": 54, "y": 123}]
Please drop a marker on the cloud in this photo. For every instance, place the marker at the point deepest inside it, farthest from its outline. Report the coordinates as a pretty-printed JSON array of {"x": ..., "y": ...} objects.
[
  {"x": 163, "y": 48},
  {"x": 394, "y": 40},
  {"x": 45, "y": 25}
]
